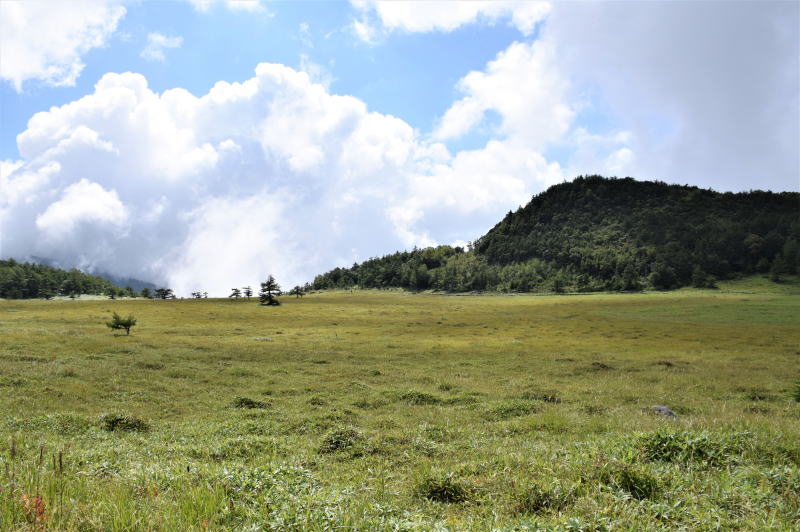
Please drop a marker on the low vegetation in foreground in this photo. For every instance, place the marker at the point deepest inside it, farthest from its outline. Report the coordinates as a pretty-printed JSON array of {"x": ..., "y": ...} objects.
[{"x": 390, "y": 411}]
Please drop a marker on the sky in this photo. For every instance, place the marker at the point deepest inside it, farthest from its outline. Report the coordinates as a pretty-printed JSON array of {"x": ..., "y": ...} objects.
[{"x": 204, "y": 144}]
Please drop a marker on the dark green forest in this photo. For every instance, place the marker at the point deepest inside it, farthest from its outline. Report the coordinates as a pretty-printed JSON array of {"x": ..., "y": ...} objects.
[
  {"x": 25, "y": 280},
  {"x": 597, "y": 233}
]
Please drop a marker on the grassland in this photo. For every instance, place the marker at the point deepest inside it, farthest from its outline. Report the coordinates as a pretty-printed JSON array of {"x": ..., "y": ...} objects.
[{"x": 395, "y": 411}]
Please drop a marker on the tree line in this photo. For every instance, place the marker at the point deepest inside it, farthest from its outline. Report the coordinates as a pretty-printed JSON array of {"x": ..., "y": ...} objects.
[
  {"x": 597, "y": 233},
  {"x": 26, "y": 280}
]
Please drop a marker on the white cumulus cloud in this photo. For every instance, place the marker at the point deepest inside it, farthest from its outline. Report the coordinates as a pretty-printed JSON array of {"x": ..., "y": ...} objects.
[
  {"x": 45, "y": 40},
  {"x": 271, "y": 175},
  {"x": 525, "y": 86},
  {"x": 82, "y": 202}
]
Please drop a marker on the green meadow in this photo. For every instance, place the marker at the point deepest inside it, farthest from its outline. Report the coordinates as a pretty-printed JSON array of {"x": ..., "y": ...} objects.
[{"x": 395, "y": 411}]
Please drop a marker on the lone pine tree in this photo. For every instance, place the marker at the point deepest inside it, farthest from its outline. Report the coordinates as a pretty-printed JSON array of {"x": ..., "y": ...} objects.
[{"x": 269, "y": 291}]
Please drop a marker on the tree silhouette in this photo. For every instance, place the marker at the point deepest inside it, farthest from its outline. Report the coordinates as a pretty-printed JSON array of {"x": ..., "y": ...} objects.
[
  {"x": 236, "y": 293},
  {"x": 297, "y": 291},
  {"x": 165, "y": 293},
  {"x": 269, "y": 290},
  {"x": 248, "y": 292}
]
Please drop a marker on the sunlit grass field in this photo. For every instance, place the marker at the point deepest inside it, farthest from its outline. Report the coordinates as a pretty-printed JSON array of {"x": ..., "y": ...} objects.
[{"x": 395, "y": 411}]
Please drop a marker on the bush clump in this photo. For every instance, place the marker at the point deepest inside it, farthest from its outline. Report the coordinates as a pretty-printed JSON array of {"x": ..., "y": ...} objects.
[
  {"x": 442, "y": 487},
  {"x": 246, "y": 402},
  {"x": 414, "y": 397},
  {"x": 113, "y": 422},
  {"x": 796, "y": 393},
  {"x": 341, "y": 439}
]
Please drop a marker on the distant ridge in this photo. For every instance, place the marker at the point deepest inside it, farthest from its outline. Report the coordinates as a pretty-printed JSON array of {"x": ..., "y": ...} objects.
[
  {"x": 596, "y": 233},
  {"x": 136, "y": 284}
]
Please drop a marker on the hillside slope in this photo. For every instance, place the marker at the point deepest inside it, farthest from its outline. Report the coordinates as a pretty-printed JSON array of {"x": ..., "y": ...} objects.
[{"x": 596, "y": 233}]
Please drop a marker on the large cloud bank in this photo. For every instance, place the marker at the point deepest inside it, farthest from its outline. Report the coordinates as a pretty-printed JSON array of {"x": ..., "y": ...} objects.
[{"x": 274, "y": 174}]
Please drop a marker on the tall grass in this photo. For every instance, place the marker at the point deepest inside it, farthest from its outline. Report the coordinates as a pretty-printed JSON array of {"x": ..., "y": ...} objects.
[{"x": 389, "y": 411}]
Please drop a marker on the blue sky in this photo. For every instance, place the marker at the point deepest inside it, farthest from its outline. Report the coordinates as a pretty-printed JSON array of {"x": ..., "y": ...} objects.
[
  {"x": 411, "y": 75},
  {"x": 200, "y": 143}
]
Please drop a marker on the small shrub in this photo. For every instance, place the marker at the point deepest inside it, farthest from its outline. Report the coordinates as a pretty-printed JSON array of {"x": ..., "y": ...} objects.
[
  {"x": 442, "y": 487},
  {"x": 246, "y": 402},
  {"x": 796, "y": 393},
  {"x": 118, "y": 322},
  {"x": 341, "y": 439},
  {"x": 639, "y": 484},
  {"x": 121, "y": 423}
]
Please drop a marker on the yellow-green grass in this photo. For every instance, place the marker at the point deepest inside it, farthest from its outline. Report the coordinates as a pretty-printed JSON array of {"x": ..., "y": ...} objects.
[{"x": 399, "y": 411}]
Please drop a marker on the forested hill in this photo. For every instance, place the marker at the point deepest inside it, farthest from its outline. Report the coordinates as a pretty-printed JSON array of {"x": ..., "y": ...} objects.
[
  {"x": 596, "y": 233},
  {"x": 25, "y": 280}
]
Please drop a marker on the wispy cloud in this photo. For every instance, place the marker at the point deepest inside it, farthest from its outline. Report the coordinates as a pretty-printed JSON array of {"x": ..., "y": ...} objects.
[{"x": 156, "y": 44}]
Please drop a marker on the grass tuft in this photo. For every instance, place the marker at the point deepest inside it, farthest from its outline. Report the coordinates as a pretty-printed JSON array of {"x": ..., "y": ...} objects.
[
  {"x": 686, "y": 447},
  {"x": 414, "y": 397},
  {"x": 113, "y": 422},
  {"x": 509, "y": 409},
  {"x": 341, "y": 439},
  {"x": 246, "y": 402},
  {"x": 536, "y": 499},
  {"x": 640, "y": 484},
  {"x": 443, "y": 487}
]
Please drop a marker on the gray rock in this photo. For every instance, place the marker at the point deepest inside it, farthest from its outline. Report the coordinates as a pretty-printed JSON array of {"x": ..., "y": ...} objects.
[{"x": 664, "y": 411}]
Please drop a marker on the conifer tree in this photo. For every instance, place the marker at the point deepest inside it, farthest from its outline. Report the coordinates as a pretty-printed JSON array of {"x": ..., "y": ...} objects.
[
  {"x": 269, "y": 291},
  {"x": 118, "y": 322}
]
